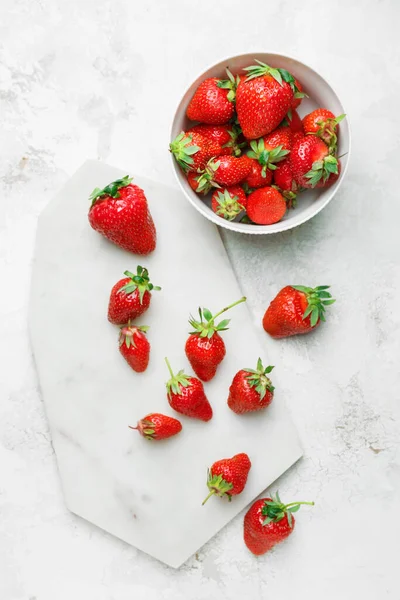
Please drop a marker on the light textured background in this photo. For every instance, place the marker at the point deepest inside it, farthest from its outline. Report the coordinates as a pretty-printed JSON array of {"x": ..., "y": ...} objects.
[{"x": 86, "y": 79}]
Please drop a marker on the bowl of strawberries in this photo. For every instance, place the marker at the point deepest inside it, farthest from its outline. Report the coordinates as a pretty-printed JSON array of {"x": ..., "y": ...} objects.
[{"x": 260, "y": 143}]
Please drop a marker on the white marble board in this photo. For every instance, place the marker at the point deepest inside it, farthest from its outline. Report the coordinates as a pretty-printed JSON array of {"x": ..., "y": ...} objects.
[{"x": 146, "y": 493}]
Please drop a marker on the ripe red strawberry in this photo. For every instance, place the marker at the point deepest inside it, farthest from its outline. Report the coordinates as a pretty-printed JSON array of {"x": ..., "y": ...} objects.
[
  {"x": 186, "y": 395},
  {"x": 120, "y": 212},
  {"x": 228, "y": 170},
  {"x": 156, "y": 426},
  {"x": 134, "y": 347},
  {"x": 205, "y": 349},
  {"x": 266, "y": 156},
  {"x": 279, "y": 138},
  {"x": 268, "y": 522},
  {"x": 226, "y": 136},
  {"x": 251, "y": 389},
  {"x": 284, "y": 180},
  {"x": 259, "y": 176},
  {"x": 228, "y": 203},
  {"x": 297, "y": 135},
  {"x": 130, "y": 297},
  {"x": 293, "y": 121},
  {"x": 296, "y": 309},
  {"x": 298, "y": 95},
  {"x": 263, "y": 99},
  {"x": 323, "y": 123},
  {"x": 210, "y": 103},
  {"x": 228, "y": 476},
  {"x": 266, "y": 206},
  {"x": 193, "y": 150},
  {"x": 311, "y": 162}
]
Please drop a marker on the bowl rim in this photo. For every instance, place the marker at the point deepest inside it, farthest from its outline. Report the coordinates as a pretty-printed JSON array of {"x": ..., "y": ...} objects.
[{"x": 251, "y": 229}]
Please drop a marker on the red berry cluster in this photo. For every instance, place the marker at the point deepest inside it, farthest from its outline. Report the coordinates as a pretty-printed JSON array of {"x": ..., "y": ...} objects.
[
  {"x": 295, "y": 310},
  {"x": 249, "y": 147}
]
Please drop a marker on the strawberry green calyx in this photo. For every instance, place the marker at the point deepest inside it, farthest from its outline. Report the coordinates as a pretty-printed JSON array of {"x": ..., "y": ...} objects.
[
  {"x": 112, "y": 189},
  {"x": 207, "y": 177},
  {"x": 229, "y": 84},
  {"x": 140, "y": 282},
  {"x": 261, "y": 69},
  {"x": 229, "y": 206},
  {"x": 288, "y": 77},
  {"x": 258, "y": 379},
  {"x": 204, "y": 182},
  {"x": 322, "y": 169},
  {"x": 206, "y": 326},
  {"x": 127, "y": 334},
  {"x": 317, "y": 299},
  {"x": 146, "y": 428},
  {"x": 177, "y": 382},
  {"x": 266, "y": 158},
  {"x": 183, "y": 149},
  {"x": 280, "y": 75},
  {"x": 327, "y": 132},
  {"x": 217, "y": 485},
  {"x": 274, "y": 510}
]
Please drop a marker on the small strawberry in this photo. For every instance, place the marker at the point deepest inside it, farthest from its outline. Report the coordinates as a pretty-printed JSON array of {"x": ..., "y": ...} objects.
[
  {"x": 266, "y": 206},
  {"x": 293, "y": 121},
  {"x": 285, "y": 182},
  {"x": 226, "y": 136},
  {"x": 134, "y": 347},
  {"x": 251, "y": 389},
  {"x": 228, "y": 476},
  {"x": 323, "y": 123},
  {"x": 120, "y": 212},
  {"x": 227, "y": 170},
  {"x": 198, "y": 183},
  {"x": 266, "y": 156},
  {"x": 210, "y": 103},
  {"x": 130, "y": 297},
  {"x": 156, "y": 426},
  {"x": 259, "y": 176},
  {"x": 192, "y": 150},
  {"x": 228, "y": 203},
  {"x": 311, "y": 162},
  {"x": 186, "y": 395},
  {"x": 205, "y": 348},
  {"x": 268, "y": 522},
  {"x": 263, "y": 99},
  {"x": 296, "y": 310},
  {"x": 298, "y": 95}
]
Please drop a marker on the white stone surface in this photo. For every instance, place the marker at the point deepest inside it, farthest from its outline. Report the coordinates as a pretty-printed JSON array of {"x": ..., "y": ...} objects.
[
  {"x": 83, "y": 79},
  {"x": 148, "y": 494}
]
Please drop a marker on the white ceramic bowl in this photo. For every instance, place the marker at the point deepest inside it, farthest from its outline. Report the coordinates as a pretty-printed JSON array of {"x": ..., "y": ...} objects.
[{"x": 320, "y": 94}]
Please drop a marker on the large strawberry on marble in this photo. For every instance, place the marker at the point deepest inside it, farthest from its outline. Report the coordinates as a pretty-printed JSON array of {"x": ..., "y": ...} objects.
[{"x": 120, "y": 212}]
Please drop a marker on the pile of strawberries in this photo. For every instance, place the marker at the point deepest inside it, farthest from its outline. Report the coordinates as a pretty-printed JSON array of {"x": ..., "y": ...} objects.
[
  {"x": 120, "y": 212},
  {"x": 250, "y": 148}
]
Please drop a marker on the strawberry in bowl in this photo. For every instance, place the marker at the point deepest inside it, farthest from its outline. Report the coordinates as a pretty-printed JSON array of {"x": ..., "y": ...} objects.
[{"x": 259, "y": 116}]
